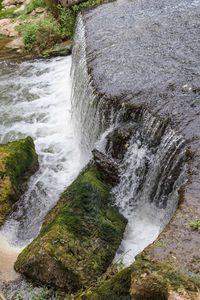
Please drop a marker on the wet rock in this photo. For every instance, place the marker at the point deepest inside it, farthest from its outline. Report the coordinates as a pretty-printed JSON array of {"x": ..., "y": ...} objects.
[
  {"x": 107, "y": 168},
  {"x": 78, "y": 239},
  {"x": 63, "y": 49},
  {"x": 18, "y": 160},
  {"x": 123, "y": 69},
  {"x": 117, "y": 140},
  {"x": 148, "y": 280}
]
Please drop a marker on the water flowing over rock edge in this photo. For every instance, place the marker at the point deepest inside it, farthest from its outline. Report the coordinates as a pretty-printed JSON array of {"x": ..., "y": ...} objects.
[
  {"x": 171, "y": 245},
  {"x": 111, "y": 116}
]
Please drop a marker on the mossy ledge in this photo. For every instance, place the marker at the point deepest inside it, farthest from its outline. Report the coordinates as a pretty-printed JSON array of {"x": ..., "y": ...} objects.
[
  {"x": 146, "y": 279},
  {"x": 78, "y": 239},
  {"x": 18, "y": 160}
]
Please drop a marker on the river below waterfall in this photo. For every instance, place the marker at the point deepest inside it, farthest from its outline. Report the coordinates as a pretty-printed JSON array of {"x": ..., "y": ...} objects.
[{"x": 35, "y": 101}]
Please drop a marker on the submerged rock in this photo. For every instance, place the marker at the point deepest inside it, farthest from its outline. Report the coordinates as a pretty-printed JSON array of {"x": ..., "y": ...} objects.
[
  {"x": 79, "y": 237},
  {"x": 18, "y": 160}
]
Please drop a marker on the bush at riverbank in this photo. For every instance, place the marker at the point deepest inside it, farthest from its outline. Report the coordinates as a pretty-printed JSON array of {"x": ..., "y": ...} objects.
[{"x": 39, "y": 26}]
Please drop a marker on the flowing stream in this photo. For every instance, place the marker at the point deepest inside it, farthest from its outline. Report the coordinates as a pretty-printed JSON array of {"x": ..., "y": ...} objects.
[{"x": 35, "y": 101}]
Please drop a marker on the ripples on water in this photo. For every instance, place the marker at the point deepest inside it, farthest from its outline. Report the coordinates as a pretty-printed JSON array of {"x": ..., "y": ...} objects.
[{"x": 35, "y": 101}]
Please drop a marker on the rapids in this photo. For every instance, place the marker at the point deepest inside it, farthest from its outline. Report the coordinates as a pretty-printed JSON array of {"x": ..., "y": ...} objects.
[{"x": 35, "y": 101}]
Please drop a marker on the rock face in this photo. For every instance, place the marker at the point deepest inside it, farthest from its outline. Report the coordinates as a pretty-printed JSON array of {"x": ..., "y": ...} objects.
[
  {"x": 147, "y": 62},
  {"x": 8, "y": 28},
  {"x": 78, "y": 239},
  {"x": 18, "y": 160},
  {"x": 107, "y": 168},
  {"x": 146, "y": 280}
]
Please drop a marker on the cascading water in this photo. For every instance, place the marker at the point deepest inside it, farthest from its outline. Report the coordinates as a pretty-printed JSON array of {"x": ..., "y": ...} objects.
[
  {"x": 151, "y": 175},
  {"x": 153, "y": 168},
  {"x": 35, "y": 101}
]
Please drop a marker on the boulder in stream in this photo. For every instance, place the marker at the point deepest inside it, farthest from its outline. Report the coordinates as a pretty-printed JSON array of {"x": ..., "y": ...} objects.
[
  {"x": 18, "y": 160},
  {"x": 79, "y": 236}
]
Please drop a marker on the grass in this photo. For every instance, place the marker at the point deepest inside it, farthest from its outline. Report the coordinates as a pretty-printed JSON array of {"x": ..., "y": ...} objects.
[
  {"x": 33, "y": 5},
  {"x": 195, "y": 224}
]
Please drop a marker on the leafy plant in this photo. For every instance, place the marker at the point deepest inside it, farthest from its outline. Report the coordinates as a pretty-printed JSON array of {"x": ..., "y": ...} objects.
[
  {"x": 33, "y": 5},
  {"x": 120, "y": 265},
  {"x": 68, "y": 15},
  {"x": 41, "y": 35},
  {"x": 195, "y": 224},
  {"x": 8, "y": 13}
]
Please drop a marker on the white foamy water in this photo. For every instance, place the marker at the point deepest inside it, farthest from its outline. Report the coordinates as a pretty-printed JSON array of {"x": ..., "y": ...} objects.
[
  {"x": 35, "y": 101},
  {"x": 142, "y": 176}
]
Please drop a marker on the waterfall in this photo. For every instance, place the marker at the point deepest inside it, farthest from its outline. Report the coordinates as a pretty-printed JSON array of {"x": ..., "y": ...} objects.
[
  {"x": 153, "y": 167},
  {"x": 35, "y": 101},
  {"x": 87, "y": 107}
]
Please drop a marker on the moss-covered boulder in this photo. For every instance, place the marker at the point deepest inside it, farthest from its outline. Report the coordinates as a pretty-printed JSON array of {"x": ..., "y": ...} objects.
[
  {"x": 78, "y": 239},
  {"x": 146, "y": 280},
  {"x": 18, "y": 160}
]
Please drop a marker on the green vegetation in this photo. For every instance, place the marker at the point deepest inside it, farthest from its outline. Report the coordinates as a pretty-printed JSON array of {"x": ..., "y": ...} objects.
[
  {"x": 79, "y": 237},
  {"x": 195, "y": 224},
  {"x": 18, "y": 160},
  {"x": 33, "y": 5},
  {"x": 41, "y": 35},
  {"x": 144, "y": 279},
  {"x": 68, "y": 15},
  {"x": 8, "y": 13}
]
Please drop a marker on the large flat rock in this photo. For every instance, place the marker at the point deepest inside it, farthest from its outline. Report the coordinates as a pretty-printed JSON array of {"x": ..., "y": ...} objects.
[{"x": 146, "y": 53}]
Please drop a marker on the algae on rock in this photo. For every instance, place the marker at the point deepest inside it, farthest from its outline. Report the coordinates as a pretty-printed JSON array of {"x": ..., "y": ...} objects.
[
  {"x": 18, "y": 160},
  {"x": 79, "y": 236},
  {"x": 145, "y": 279}
]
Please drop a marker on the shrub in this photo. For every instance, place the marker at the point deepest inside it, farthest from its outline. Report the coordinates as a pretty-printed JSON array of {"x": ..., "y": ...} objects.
[
  {"x": 33, "y": 5},
  {"x": 68, "y": 15},
  {"x": 41, "y": 35}
]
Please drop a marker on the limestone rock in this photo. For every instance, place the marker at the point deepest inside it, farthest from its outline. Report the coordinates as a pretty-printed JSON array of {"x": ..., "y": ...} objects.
[
  {"x": 78, "y": 239},
  {"x": 18, "y": 160},
  {"x": 8, "y": 28},
  {"x": 16, "y": 44},
  {"x": 12, "y": 2}
]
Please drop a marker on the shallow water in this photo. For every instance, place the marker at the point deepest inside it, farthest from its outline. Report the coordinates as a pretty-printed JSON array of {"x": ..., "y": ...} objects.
[{"x": 35, "y": 101}]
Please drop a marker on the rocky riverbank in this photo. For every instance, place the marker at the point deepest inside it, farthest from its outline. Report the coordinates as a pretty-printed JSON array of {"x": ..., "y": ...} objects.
[{"x": 38, "y": 27}]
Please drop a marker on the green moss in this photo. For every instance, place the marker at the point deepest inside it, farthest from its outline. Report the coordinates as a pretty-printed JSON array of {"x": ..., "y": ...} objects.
[
  {"x": 33, "y": 5},
  {"x": 116, "y": 288},
  {"x": 80, "y": 235},
  {"x": 144, "y": 279},
  {"x": 17, "y": 161}
]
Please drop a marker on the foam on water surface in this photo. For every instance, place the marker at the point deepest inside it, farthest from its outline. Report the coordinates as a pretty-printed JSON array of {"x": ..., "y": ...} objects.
[{"x": 35, "y": 101}]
